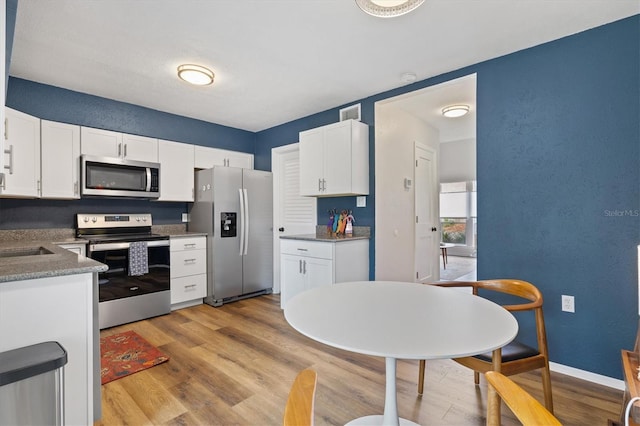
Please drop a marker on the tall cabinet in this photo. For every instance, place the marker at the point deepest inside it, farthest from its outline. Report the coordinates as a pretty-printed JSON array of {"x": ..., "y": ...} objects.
[{"x": 334, "y": 160}]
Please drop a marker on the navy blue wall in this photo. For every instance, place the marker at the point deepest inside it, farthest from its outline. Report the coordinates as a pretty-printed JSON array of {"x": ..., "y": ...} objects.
[{"x": 558, "y": 166}]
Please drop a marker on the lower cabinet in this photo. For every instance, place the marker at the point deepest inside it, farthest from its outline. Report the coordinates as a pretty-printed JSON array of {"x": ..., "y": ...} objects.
[
  {"x": 188, "y": 270},
  {"x": 307, "y": 264}
]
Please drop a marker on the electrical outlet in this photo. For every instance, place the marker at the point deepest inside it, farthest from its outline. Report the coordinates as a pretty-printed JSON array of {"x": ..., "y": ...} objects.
[
  {"x": 185, "y": 217},
  {"x": 568, "y": 304}
]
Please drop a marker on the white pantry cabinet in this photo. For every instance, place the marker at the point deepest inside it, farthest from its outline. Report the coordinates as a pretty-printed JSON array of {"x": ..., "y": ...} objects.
[
  {"x": 308, "y": 264},
  {"x": 106, "y": 143},
  {"x": 176, "y": 171},
  {"x": 206, "y": 157},
  {"x": 60, "y": 157},
  {"x": 334, "y": 160},
  {"x": 21, "y": 155},
  {"x": 188, "y": 270}
]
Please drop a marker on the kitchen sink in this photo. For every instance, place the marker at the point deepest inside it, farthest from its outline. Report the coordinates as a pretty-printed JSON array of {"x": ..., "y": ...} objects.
[{"x": 29, "y": 251}]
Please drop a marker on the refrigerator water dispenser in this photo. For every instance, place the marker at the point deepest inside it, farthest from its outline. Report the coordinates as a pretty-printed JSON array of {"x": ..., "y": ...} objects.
[{"x": 228, "y": 224}]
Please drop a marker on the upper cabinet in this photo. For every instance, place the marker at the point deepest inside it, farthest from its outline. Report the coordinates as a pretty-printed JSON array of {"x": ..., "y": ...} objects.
[
  {"x": 206, "y": 157},
  {"x": 334, "y": 160},
  {"x": 60, "y": 151},
  {"x": 105, "y": 143},
  {"x": 176, "y": 171},
  {"x": 21, "y": 155}
]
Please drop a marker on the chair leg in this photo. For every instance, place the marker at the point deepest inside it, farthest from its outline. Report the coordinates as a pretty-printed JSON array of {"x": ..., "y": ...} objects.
[
  {"x": 546, "y": 387},
  {"x": 476, "y": 377},
  {"x": 421, "y": 376}
]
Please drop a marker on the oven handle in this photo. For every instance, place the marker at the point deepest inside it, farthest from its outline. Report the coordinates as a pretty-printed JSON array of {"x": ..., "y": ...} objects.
[{"x": 125, "y": 245}]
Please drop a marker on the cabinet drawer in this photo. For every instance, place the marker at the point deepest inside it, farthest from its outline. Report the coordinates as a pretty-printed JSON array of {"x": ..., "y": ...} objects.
[
  {"x": 188, "y": 288},
  {"x": 307, "y": 248},
  {"x": 189, "y": 262},
  {"x": 190, "y": 243}
]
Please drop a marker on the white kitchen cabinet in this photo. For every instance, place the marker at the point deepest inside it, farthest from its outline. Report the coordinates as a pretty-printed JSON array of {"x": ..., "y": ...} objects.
[
  {"x": 188, "y": 270},
  {"x": 21, "y": 155},
  {"x": 60, "y": 309},
  {"x": 106, "y": 143},
  {"x": 334, "y": 160},
  {"x": 176, "y": 171},
  {"x": 60, "y": 158},
  {"x": 206, "y": 157},
  {"x": 306, "y": 264}
]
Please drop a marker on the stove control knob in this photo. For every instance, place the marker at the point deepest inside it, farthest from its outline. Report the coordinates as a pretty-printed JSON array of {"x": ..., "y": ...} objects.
[
  {"x": 94, "y": 219},
  {"x": 138, "y": 219},
  {"x": 86, "y": 219},
  {"x": 144, "y": 219}
]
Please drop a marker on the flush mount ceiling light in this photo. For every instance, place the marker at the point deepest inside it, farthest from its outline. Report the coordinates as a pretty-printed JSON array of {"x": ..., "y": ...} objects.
[
  {"x": 195, "y": 74},
  {"x": 388, "y": 8},
  {"x": 454, "y": 111}
]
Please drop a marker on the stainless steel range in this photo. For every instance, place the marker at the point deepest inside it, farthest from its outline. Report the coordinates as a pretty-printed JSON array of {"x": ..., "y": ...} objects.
[{"x": 137, "y": 284}]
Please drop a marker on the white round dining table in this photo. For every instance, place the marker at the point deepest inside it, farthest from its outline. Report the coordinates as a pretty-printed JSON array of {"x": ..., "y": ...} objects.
[{"x": 399, "y": 320}]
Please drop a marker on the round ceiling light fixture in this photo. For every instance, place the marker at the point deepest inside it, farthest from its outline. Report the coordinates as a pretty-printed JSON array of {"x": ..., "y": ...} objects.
[
  {"x": 195, "y": 74},
  {"x": 454, "y": 111},
  {"x": 388, "y": 8}
]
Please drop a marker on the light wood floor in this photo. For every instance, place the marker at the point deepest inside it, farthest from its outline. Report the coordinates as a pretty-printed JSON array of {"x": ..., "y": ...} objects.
[{"x": 234, "y": 365}]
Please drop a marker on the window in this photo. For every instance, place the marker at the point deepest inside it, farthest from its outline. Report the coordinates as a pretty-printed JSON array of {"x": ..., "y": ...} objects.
[{"x": 458, "y": 213}]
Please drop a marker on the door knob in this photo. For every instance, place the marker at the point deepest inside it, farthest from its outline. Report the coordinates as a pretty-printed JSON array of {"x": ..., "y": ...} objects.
[
  {"x": 434, "y": 229},
  {"x": 281, "y": 229}
]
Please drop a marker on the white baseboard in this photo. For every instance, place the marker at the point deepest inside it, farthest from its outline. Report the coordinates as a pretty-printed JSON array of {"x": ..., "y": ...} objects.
[{"x": 587, "y": 375}]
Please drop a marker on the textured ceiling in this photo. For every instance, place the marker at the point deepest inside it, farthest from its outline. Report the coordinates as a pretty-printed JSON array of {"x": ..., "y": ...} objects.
[{"x": 275, "y": 60}]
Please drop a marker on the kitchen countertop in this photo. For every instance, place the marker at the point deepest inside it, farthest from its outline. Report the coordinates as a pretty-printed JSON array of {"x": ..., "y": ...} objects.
[
  {"x": 60, "y": 262},
  {"x": 324, "y": 238}
]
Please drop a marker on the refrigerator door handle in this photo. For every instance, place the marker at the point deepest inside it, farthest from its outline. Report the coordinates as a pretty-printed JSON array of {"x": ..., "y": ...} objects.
[
  {"x": 242, "y": 220},
  {"x": 247, "y": 220}
]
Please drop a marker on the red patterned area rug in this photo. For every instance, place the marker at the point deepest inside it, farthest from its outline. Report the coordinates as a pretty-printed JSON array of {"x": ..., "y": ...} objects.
[{"x": 126, "y": 353}]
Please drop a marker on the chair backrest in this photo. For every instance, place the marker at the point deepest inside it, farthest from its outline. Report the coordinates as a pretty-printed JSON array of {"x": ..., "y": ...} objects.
[
  {"x": 299, "y": 408},
  {"x": 525, "y": 407},
  {"x": 519, "y": 288}
]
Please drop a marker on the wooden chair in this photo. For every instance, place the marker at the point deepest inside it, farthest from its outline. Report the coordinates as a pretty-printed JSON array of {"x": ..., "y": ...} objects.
[
  {"x": 516, "y": 356},
  {"x": 526, "y": 408},
  {"x": 299, "y": 408}
]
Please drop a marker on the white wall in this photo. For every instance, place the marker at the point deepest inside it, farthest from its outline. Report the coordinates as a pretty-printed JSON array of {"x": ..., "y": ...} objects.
[
  {"x": 396, "y": 132},
  {"x": 457, "y": 161}
]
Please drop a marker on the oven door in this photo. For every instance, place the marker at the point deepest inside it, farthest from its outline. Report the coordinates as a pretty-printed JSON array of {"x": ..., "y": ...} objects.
[{"x": 117, "y": 283}]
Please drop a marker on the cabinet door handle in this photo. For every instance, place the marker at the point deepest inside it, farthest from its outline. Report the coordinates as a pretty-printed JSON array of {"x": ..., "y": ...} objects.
[
  {"x": 189, "y": 286},
  {"x": 190, "y": 245},
  {"x": 300, "y": 266},
  {"x": 189, "y": 261},
  {"x": 75, "y": 188},
  {"x": 319, "y": 184},
  {"x": 301, "y": 249},
  {"x": 304, "y": 267},
  {"x": 10, "y": 152},
  {"x": 324, "y": 185},
  {"x": 125, "y": 150},
  {"x": 119, "y": 149}
]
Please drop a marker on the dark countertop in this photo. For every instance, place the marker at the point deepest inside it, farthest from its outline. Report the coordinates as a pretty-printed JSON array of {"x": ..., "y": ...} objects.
[
  {"x": 58, "y": 262},
  {"x": 324, "y": 238}
]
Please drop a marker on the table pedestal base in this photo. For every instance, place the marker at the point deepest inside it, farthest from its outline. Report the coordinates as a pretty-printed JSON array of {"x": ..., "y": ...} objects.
[{"x": 377, "y": 421}]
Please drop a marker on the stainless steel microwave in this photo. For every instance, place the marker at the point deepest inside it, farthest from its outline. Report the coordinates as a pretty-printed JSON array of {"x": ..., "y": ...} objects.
[{"x": 114, "y": 177}]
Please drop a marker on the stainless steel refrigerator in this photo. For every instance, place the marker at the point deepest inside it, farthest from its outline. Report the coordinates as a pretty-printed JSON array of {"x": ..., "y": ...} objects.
[{"x": 235, "y": 208}]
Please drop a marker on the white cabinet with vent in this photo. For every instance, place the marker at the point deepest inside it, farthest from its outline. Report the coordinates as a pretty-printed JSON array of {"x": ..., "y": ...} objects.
[{"x": 334, "y": 160}]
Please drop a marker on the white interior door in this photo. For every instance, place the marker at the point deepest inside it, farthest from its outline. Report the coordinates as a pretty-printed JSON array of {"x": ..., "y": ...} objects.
[
  {"x": 292, "y": 213},
  {"x": 426, "y": 209}
]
